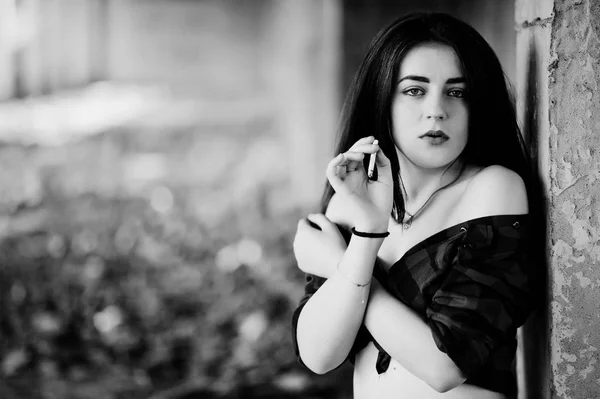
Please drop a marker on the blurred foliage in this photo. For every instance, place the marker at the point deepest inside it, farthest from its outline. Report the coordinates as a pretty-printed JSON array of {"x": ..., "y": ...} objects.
[{"x": 112, "y": 299}]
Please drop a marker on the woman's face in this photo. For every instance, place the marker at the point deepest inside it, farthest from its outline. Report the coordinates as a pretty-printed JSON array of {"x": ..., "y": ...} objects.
[{"x": 429, "y": 109}]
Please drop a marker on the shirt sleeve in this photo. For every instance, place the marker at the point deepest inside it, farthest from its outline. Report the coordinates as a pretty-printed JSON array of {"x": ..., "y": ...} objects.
[
  {"x": 484, "y": 297},
  {"x": 313, "y": 283}
]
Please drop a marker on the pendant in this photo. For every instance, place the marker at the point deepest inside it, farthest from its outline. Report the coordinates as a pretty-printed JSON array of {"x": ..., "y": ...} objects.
[
  {"x": 406, "y": 225},
  {"x": 364, "y": 295}
]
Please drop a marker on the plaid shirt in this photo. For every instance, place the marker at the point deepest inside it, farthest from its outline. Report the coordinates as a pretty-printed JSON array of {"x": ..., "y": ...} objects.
[{"x": 470, "y": 283}]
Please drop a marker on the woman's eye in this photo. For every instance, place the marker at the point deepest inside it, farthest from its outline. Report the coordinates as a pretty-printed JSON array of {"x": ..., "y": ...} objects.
[
  {"x": 456, "y": 93},
  {"x": 413, "y": 92}
]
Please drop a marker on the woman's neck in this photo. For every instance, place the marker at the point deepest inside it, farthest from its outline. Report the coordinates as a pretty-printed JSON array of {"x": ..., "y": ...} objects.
[{"x": 420, "y": 183}]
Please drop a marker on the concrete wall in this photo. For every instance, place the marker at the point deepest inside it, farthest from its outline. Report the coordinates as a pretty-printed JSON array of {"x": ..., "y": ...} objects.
[{"x": 558, "y": 74}]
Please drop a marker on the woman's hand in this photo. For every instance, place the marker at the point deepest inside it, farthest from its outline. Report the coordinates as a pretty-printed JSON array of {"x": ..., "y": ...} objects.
[
  {"x": 369, "y": 201},
  {"x": 318, "y": 249}
]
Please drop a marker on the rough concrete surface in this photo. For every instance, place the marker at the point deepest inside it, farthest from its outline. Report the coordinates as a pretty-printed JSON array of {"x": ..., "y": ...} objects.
[{"x": 574, "y": 112}]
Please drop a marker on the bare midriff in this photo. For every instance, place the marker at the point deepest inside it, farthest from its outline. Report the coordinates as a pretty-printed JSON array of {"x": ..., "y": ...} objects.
[{"x": 398, "y": 383}]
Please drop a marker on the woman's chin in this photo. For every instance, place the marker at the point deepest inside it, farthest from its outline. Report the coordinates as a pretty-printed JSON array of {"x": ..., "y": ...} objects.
[{"x": 434, "y": 163}]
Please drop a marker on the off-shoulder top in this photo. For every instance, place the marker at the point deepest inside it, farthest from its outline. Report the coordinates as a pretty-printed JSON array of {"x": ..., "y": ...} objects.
[{"x": 471, "y": 284}]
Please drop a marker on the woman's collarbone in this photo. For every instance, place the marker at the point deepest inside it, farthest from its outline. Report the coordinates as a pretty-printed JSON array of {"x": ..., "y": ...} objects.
[{"x": 439, "y": 217}]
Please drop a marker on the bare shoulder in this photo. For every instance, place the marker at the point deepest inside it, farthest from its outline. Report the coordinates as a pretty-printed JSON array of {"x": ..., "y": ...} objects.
[
  {"x": 337, "y": 212},
  {"x": 495, "y": 190}
]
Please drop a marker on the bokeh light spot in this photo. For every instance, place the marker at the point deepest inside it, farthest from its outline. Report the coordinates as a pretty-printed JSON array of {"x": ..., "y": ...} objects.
[
  {"x": 108, "y": 319},
  {"x": 227, "y": 259},
  {"x": 161, "y": 199},
  {"x": 253, "y": 326},
  {"x": 249, "y": 251}
]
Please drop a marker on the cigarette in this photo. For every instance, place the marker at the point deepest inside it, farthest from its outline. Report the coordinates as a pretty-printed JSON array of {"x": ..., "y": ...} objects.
[{"x": 372, "y": 162}]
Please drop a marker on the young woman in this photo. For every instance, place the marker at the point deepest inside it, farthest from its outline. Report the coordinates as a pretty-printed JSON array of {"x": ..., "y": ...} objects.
[{"x": 421, "y": 276}]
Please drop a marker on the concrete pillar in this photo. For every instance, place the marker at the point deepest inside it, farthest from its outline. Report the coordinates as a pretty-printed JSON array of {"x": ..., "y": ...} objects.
[
  {"x": 558, "y": 72},
  {"x": 29, "y": 67},
  {"x": 98, "y": 54},
  {"x": 50, "y": 53},
  {"x": 8, "y": 38},
  {"x": 75, "y": 19},
  {"x": 533, "y": 21},
  {"x": 303, "y": 64},
  {"x": 62, "y": 44}
]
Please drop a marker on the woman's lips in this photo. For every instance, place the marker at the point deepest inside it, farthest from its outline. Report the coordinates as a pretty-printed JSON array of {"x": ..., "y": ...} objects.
[{"x": 435, "y": 137}]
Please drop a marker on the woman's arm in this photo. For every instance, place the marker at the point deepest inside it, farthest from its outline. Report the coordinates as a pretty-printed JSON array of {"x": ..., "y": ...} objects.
[
  {"x": 328, "y": 323},
  {"x": 404, "y": 335}
]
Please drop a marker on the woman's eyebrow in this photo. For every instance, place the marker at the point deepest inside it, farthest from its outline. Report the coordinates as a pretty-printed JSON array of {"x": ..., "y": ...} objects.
[
  {"x": 415, "y": 77},
  {"x": 456, "y": 80},
  {"x": 426, "y": 80}
]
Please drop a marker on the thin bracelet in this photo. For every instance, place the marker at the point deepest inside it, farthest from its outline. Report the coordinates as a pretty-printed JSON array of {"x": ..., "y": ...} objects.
[
  {"x": 350, "y": 281},
  {"x": 364, "y": 295},
  {"x": 369, "y": 235}
]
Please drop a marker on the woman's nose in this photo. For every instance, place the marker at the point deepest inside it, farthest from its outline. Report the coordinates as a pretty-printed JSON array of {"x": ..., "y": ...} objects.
[{"x": 435, "y": 108}]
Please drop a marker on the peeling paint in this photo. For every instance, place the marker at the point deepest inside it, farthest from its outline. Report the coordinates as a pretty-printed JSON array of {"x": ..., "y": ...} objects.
[
  {"x": 569, "y": 357},
  {"x": 595, "y": 253},
  {"x": 567, "y": 178},
  {"x": 584, "y": 154},
  {"x": 590, "y": 353},
  {"x": 536, "y": 22},
  {"x": 584, "y": 282},
  {"x": 568, "y": 209},
  {"x": 561, "y": 281},
  {"x": 581, "y": 234}
]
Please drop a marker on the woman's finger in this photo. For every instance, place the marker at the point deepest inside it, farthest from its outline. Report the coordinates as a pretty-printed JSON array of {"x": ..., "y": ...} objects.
[
  {"x": 321, "y": 221},
  {"x": 341, "y": 171},
  {"x": 339, "y": 167},
  {"x": 351, "y": 156},
  {"x": 333, "y": 177},
  {"x": 302, "y": 224},
  {"x": 364, "y": 140},
  {"x": 368, "y": 148},
  {"x": 349, "y": 162}
]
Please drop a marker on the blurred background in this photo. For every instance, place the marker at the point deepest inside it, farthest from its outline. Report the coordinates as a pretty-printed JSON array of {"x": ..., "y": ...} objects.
[{"x": 155, "y": 157}]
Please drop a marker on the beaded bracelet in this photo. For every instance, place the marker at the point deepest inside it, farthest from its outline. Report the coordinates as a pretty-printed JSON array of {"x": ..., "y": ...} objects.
[{"x": 369, "y": 235}]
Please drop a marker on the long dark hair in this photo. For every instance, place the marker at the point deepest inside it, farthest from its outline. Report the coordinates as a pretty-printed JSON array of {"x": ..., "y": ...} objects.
[{"x": 494, "y": 135}]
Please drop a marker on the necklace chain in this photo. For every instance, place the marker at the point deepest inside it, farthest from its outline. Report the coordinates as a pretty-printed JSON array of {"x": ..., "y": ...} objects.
[
  {"x": 408, "y": 221},
  {"x": 406, "y": 224}
]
